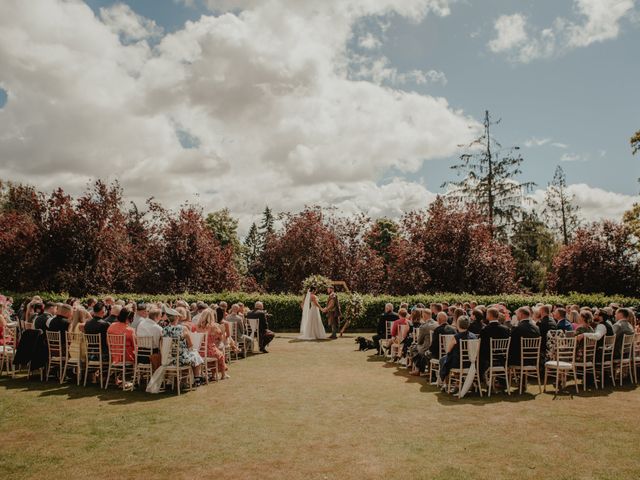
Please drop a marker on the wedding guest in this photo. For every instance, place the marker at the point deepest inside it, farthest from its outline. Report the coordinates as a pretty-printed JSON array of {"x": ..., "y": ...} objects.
[
  {"x": 574, "y": 318},
  {"x": 207, "y": 324},
  {"x": 200, "y": 307},
  {"x": 234, "y": 317},
  {"x": 98, "y": 326},
  {"x": 452, "y": 358},
  {"x": 493, "y": 330},
  {"x": 221, "y": 313},
  {"x": 113, "y": 314},
  {"x": 188, "y": 354},
  {"x": 266, "y": 335},
  {"x": 560, "y": 316},
  {"x": 584, "y": 326},
  {"x": 381, "y": 331},
  {"x": 477, "y": 323},
  {"x": 184, "y": 318},
  {"x": 545, "y": 324},
  {"x": 622, "y": 327},
  {"x": 443, "y": 328},
  {"x": 40, "y": 322},
  {"x": 421, "y": 358},
  {"x": 123, "y": 326},
  {"x": 60, "y": 323},
  {"x": 525, "y": 329},
  {"x": 148, "y": 327},
  {"x": 140, "y": 313},
  {"x": 78, "y": 319}
]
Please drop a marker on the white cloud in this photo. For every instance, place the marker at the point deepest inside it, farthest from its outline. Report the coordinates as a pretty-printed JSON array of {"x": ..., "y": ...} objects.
[
  {"x": 369, "y": 41},
  {"x": 559, "y": 145},
  {"x": 125, "y": 22},
  {"x": 510, "y": 31},
  {"x": 572, "y": 157},
  {"x": 536, "y": 142},
  {"x": 265, "y": 96},
  {"x": 597, "y": 21},
  {"x": 595, "y": 203}
]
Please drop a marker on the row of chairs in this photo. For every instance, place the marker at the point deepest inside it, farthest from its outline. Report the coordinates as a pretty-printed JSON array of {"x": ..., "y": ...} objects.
[
  {"x": 84, "y": 353},
  {"x": 567, "y": 361}
]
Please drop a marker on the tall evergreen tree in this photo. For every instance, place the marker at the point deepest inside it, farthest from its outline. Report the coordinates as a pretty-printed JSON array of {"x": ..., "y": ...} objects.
[
  {"x": 266, "y": 227},
  {"x": 252, "y": 245},
  {"x": 490, "y": 179},
  {"x": 533, "y": 247},
  {"x": 560, "y": 211}
]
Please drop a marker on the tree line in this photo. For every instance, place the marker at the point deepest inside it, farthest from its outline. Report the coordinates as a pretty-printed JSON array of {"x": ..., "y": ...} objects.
[{"x": 480, "y": 237}]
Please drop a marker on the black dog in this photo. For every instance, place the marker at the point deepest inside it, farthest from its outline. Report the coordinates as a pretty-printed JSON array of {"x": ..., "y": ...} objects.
[{"x": 364, "y": 344}]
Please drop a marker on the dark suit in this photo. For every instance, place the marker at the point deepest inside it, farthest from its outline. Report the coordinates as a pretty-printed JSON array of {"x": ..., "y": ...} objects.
[
  {"x": 444, "y": 329},
  {"x": 98, "y": 325},
  {"x": 546, "y": 324},
  {"x": 524, "y": 329},
  {"x": 266, "y": 335},
  {"x": 493, "y": 330},
  {"x": 382, "y": 327},
  {"x": 60, "y": 324},
  {"x": 40, "y": 323}
]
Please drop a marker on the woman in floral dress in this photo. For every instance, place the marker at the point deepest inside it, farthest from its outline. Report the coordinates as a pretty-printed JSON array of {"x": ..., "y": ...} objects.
[{"x": 188, "y": 354}]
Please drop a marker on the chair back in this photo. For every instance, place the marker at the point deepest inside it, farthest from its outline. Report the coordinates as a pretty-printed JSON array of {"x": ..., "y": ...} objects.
[
  {"x": 387, "y": 330},
  {"x": 465, "y": 356},
  {"x": 233, "y": 328},
  {"x": 589, "y": 347},
  {"x": 403, "y": 331},
  {"x": 10, "y": 336},
  {"x": 174, "y": 352},
  {"x": 627, "y": 346},
  {"x": 74, "y": 344},
  {"x": 608, "y": 348},
  {"x": 117, "y": 347},
  {"x": 54, "y": 342},
  {"x": 499, "y": 351},
  {"x": 565, "y": 350},
  {"x": 145, "y": 349},
  {"x": 552, "y": 337},
  {"x": 530, "y": 351},
  {"x": 203, "y": 347},
  {"x": 93, "y": 347},
  {"x": 445, "y": 340}
]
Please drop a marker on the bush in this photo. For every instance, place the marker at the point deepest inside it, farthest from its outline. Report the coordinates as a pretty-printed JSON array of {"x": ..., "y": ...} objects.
[{"x": 286, "y": 310}]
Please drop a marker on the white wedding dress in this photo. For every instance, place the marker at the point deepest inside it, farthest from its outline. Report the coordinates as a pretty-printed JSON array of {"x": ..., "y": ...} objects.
[{"x": 311, "y": 327}]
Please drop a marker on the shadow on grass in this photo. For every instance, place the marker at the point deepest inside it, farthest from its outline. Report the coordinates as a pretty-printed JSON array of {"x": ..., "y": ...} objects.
[{"x": 113, "y": 395}]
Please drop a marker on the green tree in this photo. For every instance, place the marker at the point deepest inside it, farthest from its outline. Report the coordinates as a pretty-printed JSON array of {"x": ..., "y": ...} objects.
[
  {"x": 533, "y": 247},
  {"x": 252, "y": 245},
  {"x": 490, "y": 180},
  {"x": 225, "y": 229},
  {"x": 268, "y": 220},
  {"x": 381, "y": 236},
  {"x": 560, "y": 211},
  {"x": 631, "y": 219}
]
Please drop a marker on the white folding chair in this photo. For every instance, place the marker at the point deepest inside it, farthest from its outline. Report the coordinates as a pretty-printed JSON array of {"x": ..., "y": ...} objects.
[
  {"x": 563, "y": 365},
  {"x": 498, "y": 363}
]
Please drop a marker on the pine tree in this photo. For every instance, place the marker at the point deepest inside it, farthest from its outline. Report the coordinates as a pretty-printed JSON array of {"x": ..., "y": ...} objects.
[
  {"x": 560, "y": 211},
  {"x": 489, "y": 180},
  {"x": 532, "y": 246},
  {"x": 266, "y": 227},
  {"x": 252, "y": 245}
]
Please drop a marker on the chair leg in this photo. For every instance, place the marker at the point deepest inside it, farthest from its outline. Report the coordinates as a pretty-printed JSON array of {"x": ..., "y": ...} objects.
[
  {"x": 490, "y": 382},
  {"x": 106, "y": 385},
  {"x": 546, "y": 375}
]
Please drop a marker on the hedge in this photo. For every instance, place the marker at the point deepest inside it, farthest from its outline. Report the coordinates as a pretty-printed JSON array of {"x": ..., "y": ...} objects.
[{"x": 286, "y": 307}]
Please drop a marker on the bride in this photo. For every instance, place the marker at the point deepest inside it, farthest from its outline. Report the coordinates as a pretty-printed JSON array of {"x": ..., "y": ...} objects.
[{"x": 311, "y": 327}]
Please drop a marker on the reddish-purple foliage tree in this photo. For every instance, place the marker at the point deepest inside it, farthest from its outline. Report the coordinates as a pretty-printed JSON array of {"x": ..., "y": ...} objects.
[{"x": 600, "y": 259}]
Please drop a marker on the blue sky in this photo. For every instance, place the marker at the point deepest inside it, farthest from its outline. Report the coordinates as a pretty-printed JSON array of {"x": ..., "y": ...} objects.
[
  {"x": 349, "y": 103},
  {"x": 586, "y": 99}
]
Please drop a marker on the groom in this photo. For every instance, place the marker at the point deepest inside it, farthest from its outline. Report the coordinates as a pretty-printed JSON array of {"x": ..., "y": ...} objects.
[{"x": 333, "y": 312}]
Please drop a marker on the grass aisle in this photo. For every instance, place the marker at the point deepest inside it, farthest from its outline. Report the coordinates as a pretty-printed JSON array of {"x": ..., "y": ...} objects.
[{"x": 314, "y": 410}]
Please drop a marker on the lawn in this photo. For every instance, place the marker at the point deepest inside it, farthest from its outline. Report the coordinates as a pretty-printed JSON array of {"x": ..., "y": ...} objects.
[{"x": 314, "y": 410}]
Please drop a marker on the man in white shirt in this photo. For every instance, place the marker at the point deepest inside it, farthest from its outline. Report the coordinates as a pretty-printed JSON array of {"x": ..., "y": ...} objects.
[
  {"x": 141, "y": 312},
  {"x": 148, "y": 327}
]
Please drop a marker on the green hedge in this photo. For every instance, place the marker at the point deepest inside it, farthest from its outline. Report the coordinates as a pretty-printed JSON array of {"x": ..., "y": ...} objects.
[{"x": 286, "y": 307}]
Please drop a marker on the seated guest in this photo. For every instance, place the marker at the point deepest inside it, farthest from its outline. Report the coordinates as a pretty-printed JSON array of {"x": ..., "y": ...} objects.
[
  {"x": 140, "y": 313},
  {"x": 524, "y": 329},
  {"x": 452, "y": 358},
  {"x": 221, "y": 312},
  {"x": 113, "y": 314},
  {"x": 200, "y": 307},
  {"x": 545, "y": 324},
  {"x": 420, "y": 357},
  {"x": 148, "y": 327},
  {"x": 414, "y": 323},
  {"x": 188, "y": 354},
  {"x": 381, "y": 331},
  {"x": 60, "y": 323},
  {"x": 236, "y": 318},
  {"x": 78, "y": 319},
  {"x": 477, "y": 323},
  {"x": 395, "y": 340},
  {"x": 560, "y": 316},
  {"x": 98, "y": 326},
  {"x": 622, "y": 327},
  {"x": 603, "y": 327},
  {"x": 443, "y": 328},
  {"x": 584, "y": 326},
  {"x": 207, "y": 324},
  {"x": 493, "y": 330},
  {"x": 184, "y": 318},
  {"x": 265, "y": 334},
  {"x": 42, "y": 320},
  {"x": 123, "y": 327},
  {"x": 574, "y": 318}
]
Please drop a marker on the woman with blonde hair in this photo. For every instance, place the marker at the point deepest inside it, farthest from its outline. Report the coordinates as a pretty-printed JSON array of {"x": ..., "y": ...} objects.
[
  {"x": 185, "y": 318},
  {"x": 574, "y": 318},
  {"x": 78, "y": 319},
  {"x": 207, "y": 324}
]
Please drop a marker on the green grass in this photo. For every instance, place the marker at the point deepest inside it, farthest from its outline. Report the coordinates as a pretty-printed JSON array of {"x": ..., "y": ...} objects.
[{"x": 314, "y": 410}]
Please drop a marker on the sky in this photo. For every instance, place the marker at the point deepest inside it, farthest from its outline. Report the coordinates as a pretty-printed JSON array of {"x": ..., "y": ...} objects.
[{"x": 358, "y": 104}]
